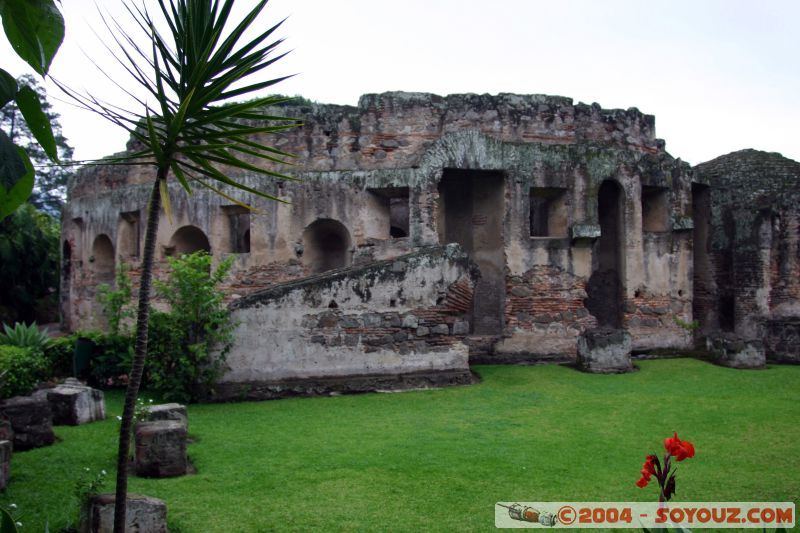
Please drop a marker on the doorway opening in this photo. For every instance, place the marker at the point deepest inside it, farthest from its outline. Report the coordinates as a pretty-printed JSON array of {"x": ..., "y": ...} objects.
[
  {"x": 604, "y": 289},
  {"x": 472, "y": 210}
]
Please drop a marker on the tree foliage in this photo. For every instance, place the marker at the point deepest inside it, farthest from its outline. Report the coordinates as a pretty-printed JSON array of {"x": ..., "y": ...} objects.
[
  {"x": 50, "y": 188},
  {"x": 35, "y": 29},
  {"x": 28, "y": 264}
]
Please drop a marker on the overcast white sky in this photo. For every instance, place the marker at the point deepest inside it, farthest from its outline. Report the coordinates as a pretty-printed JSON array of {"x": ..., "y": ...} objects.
[{"x": 719, "y": 75}]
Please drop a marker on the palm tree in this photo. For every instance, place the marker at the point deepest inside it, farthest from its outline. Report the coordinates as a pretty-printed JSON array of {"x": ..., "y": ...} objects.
[{"x": 193, "y": 133}]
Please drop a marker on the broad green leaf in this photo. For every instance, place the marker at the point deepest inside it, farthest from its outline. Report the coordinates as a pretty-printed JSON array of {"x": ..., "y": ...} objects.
[
  {"x": 31, "y": 109},
  {"x": 7, "y": 524},
  {"x": 12, "y": 167},
  {"x": 8, "y": 87},
  {"x": 14, "y": 196},
  {"x": 35, "y": 29}
]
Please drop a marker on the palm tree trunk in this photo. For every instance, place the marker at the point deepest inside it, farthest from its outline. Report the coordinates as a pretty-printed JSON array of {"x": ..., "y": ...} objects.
[{"x": 140, "y": 353}]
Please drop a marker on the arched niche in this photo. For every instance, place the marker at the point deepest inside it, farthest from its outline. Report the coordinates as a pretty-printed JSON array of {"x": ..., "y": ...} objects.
[
  {"x": 102, "y": 259},
  {"x": 605, "y": 287},
  {"x": 187, "y": 240},
  {"x": 326, "y": 245},
  {"x": 128, "y": 235}
]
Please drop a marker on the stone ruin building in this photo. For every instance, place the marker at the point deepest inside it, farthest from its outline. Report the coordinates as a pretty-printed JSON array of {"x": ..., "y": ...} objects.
[{"x": 427, "y": 233}]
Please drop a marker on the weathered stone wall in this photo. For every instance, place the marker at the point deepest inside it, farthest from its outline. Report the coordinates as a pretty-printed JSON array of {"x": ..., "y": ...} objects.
[
  {"x": 753, "y": 242},
  {"x": 514, "y": 179},
  {"x": 404, "y": 317}
]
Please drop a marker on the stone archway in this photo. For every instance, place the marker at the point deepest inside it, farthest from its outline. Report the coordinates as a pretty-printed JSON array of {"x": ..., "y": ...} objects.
[
  {"x": 102, "y": 259},
  {"x": 326, "y": 245},
  {"x": 187, "y": 240}
]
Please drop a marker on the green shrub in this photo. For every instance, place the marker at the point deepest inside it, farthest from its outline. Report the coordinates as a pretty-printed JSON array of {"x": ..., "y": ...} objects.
[
  {"x": 25, "y": 336},
  {"x": 20, "y": 370},
  {"x": 189, "y": 343},
  {"x": 112, "y": 358},
  {"x": 116, "y": 303},
  {"x": 59, "y": 355}
]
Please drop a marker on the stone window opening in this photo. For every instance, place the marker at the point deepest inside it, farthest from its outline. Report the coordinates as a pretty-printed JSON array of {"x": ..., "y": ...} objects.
[
  {"x": 239, "y": 228},
  {"x": 187, "y": 240},
  {"x": 655, "y": 209},
  {"x": 128, "y": 242},
  {"x": 102, "y": 259},
  {"x": 395, "y": 206},
  {"x": 326, "y": 245},
  {"x": 548, "y": 212}
]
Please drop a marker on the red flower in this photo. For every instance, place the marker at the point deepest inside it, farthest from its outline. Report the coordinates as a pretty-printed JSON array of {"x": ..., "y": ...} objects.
[
  {"x": 648, "y": 469},
  {"x": 679, "y": 449}
]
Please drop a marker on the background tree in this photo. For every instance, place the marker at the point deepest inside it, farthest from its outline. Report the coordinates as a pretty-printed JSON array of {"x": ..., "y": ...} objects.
[
  {"x": 35, "y": 29},
  {"x": 28, "y": 266},
  {"x": 193, "y": 132},
  {"x": 50, "y": 187}
]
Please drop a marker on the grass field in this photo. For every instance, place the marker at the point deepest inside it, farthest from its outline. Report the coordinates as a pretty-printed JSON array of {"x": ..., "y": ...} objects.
[{"x": 438, "y": 460}]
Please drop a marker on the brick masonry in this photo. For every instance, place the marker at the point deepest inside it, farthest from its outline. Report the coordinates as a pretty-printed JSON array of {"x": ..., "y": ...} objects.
[{"x": 717, "y": 243}]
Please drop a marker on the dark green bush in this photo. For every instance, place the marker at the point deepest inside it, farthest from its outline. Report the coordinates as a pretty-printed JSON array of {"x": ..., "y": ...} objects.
[
  {"x": 112, "y": 358},
  {"x": 59, "y": 356},
  {"x": 20, "y": 370}
]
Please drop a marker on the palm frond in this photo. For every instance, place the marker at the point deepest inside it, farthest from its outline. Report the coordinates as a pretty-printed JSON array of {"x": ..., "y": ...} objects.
[{"x": 196, "y": 64}]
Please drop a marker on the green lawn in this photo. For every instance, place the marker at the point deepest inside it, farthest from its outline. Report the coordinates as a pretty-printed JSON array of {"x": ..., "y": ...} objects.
[{"x": 438, "y": 460}]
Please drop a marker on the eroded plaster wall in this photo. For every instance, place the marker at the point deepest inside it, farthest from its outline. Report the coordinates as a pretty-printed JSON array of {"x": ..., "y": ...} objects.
[
  {"x": 543, "y": 153},
  {"x": 753, "y": 262},
  {"x": 404, "y": 316}
]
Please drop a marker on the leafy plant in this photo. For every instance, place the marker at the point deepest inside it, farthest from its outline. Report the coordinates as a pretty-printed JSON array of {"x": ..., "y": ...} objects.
[
  {"x": 191, "y": 70},
  {"x": 676, "y": 449},
  {"x": 59, "y": 353},
  {"x": 20, "y": 370},
  {"x": 87, "y": 486},
  {"x": 35, "y": 29},
  {"x": 116, "y": 303},
  {"x": 25, "y": 337},
  {"x": 142, "y": 412},
  {"x": 690, "y": 327},
  {"x": 190, "y": 342}
]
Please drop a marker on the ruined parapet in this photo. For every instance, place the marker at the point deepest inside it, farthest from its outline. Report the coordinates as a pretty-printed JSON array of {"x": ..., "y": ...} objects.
[
  {"x": 394, "y": 129},
  {"x": 752, "y": 275},
  {"x": 736, "y": 352},
  {"x": 391, "y": 324},
  {"x": 74, "y": 403},
  {"x": 782, "y": 340},
  {"x": 6, "y": 449},
  {"x": 168, "y": 411},
  {"x": 605, "y": 351},
  {"x": 31, "y": 420},
  {"x": 144, "y": 514},
  {"x": 160, "y": 449}
]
